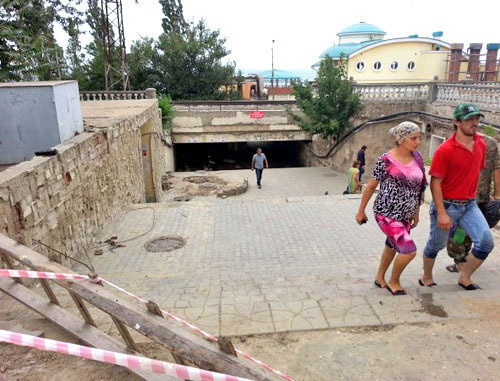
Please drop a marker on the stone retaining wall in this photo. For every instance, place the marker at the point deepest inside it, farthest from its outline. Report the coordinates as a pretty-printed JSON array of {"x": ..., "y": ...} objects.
[{"x": 64, "y": 200}]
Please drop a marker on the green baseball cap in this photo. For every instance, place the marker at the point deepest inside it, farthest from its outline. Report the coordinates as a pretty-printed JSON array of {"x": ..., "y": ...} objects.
[{"x": 466, "y": 111}]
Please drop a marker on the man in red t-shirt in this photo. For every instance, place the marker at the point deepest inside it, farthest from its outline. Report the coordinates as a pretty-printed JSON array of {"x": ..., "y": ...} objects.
[{"x": 454, "y": 178}]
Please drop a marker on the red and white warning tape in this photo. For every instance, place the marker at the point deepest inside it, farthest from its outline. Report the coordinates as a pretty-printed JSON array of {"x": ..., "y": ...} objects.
[
  {"x": 6, "y": 273},
  {"x": 48, "y": 275},
  {"x": 203, "y": 333},
  {"x": 129, "y": 361}
]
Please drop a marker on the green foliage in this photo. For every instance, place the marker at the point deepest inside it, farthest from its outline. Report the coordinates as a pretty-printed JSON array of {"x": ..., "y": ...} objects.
[
  {"x": 167, "y": 111},
  {"x": 142, "y": 62},
  {"x": 185, "y": 62},
  {"x": 92, "y": 73},
  {"x": 28, "y": 48},
  {"x": 174, "y": 21},
  {"x": 191, "y": 64},
  {"x": 328, "y": 111},
  {"x": 428, "y": 161},
  {"x": 490, "y": 130}
]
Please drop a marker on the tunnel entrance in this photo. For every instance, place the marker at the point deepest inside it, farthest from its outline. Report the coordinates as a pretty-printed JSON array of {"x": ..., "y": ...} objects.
[{"x": 223, "y": 156}]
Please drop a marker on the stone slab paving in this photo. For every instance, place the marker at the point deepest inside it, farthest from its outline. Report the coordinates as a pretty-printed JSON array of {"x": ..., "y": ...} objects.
[{"x": 283, "y": 258}]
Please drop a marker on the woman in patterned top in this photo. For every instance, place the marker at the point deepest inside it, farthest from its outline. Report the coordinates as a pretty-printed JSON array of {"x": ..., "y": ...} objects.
[{"x": 401, "y": 175}]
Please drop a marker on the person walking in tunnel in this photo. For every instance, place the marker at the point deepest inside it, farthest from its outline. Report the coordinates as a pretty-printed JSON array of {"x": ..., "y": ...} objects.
[
  {"x": 454, "y": 180},
  {"x": 401, "y": 175},
  {"x": 258, "y": 161}
]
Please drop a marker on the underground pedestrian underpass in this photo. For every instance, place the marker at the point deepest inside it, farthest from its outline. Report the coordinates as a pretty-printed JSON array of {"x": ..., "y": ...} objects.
[{"x": 225, "y": 156}]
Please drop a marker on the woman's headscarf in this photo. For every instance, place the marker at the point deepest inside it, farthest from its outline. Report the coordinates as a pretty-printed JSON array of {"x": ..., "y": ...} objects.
[{"x": 403, "y": 130}]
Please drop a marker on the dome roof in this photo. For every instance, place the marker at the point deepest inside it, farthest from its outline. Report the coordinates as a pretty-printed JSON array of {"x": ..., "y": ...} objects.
[
  {"x": 361, "y": 28},
  {"x": 345, "y": 49}
]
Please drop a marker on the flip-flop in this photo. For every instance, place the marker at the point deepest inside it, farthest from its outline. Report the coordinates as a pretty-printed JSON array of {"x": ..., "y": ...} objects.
[
  {"x": 397, "y": 292},
  {"x": 420, "y": 282},
  {"x": 470, "y": 287},
  {"x": 377, "y": 283},
  {"x": 452, "y": 268}
]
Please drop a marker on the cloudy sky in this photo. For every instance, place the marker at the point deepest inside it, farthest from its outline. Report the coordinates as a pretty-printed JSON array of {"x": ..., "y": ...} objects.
[{"x": 302, "y": 30}]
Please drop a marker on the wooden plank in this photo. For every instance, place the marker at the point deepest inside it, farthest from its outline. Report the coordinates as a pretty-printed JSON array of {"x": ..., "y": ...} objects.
[
  {"x": 187, "y": 345},
  {"x": 155, "y": 309},
  {"x": 226, "y": 346},
  {"x": 46, "y": 287},
  {"x": 125, "y": 334},
  {"x": 72, "y": 324},
  {"x": 10, "y": 265},
  {"x": 83, "y": 309}
]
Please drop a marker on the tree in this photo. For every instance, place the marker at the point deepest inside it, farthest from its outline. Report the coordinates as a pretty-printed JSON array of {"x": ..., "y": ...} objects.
[
  {"x": 143, "y": 62},
  {"x": 28, "y": 48},
  {"x": 191, "y": 63},
  {"x": 75, "y": 59},
  {"x": 174, "y": 21},
  {"x": 186, "y": 60},
  {"x": 328, "y": 113}
]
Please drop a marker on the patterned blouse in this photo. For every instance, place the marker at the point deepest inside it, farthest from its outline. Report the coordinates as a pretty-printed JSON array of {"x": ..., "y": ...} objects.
[{"x": 401, "y": 187}]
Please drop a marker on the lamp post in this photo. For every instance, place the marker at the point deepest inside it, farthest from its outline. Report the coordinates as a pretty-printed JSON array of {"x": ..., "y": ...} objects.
[{"x": 272, "y": 69}]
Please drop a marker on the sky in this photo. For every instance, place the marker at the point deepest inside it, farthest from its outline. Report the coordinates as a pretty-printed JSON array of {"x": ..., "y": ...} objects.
[{"x": 302, "y": 30}]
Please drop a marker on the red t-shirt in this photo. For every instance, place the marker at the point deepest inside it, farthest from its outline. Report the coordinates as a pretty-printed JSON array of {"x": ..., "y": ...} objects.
[{"x": 458, "y": 167}]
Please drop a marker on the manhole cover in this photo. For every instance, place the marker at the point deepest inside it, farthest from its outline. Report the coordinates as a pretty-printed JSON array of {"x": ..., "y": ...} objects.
[{"x": 166, "y": 243}]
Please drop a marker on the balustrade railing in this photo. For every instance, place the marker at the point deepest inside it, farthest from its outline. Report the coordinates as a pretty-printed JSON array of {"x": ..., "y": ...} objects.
[
  {"x": 484, "y": 96},
  {"x": 392, "y": 92},
  {"x": 117, "y": 95}
]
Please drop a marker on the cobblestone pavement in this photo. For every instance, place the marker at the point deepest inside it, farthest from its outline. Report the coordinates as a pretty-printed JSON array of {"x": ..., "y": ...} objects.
[{"x": 286, "y": 257}]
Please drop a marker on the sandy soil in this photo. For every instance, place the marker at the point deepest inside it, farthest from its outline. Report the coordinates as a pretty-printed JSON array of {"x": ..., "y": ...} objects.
[{"x": 458, "y": 350}]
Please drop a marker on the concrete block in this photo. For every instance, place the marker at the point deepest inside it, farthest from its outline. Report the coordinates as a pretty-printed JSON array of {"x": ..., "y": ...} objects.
[{"x": 37, "y": 116}]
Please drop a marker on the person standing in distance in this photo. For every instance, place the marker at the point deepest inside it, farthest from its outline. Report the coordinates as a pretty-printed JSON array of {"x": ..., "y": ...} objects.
[
  {"x": 258, "y": 161},
  {"x": 362, "y": 162},
  {"x": 454, "y": 180}
]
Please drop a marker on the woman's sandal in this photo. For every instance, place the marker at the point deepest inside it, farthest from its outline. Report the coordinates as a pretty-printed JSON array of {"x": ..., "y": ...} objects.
[
  {"x": 420, "y": 282},
  {"x": 377, "y": 283},
  {"x": 397, "y": 292}
]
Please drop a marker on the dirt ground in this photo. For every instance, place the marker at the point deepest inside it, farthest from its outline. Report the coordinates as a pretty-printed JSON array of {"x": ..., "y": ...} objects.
[{"x": 454, "y": 350}]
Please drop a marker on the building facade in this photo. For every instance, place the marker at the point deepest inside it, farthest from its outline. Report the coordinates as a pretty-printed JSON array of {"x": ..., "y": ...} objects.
[{"x": 373, "y": 59}]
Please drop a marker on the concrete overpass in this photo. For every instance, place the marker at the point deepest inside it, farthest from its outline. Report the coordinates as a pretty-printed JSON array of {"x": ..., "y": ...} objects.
[{"x": 235, "y": 122}]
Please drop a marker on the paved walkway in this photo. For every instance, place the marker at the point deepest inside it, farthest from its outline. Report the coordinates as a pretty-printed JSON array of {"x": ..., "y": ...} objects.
[{"x": 286, "y": 257}]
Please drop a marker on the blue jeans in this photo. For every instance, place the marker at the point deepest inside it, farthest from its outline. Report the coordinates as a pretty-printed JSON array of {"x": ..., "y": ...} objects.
[
  {"x": 468, "y": 217},
  {"x": 361, "y": 171},
  {"x": 258, "y": 172}
]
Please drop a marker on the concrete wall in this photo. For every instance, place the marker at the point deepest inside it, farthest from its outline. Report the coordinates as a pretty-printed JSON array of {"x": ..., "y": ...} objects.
[
  {"x": 446, "y": 110},
  {"x": 64, "y": 200},
  {"x": 36, "y": 116},
  {"x": 234, "y": 123},
  {"x": 375, "y": 136}
]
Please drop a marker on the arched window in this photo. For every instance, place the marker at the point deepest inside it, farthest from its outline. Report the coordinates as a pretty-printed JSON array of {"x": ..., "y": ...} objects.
[{"x": 360, "y": 66}]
